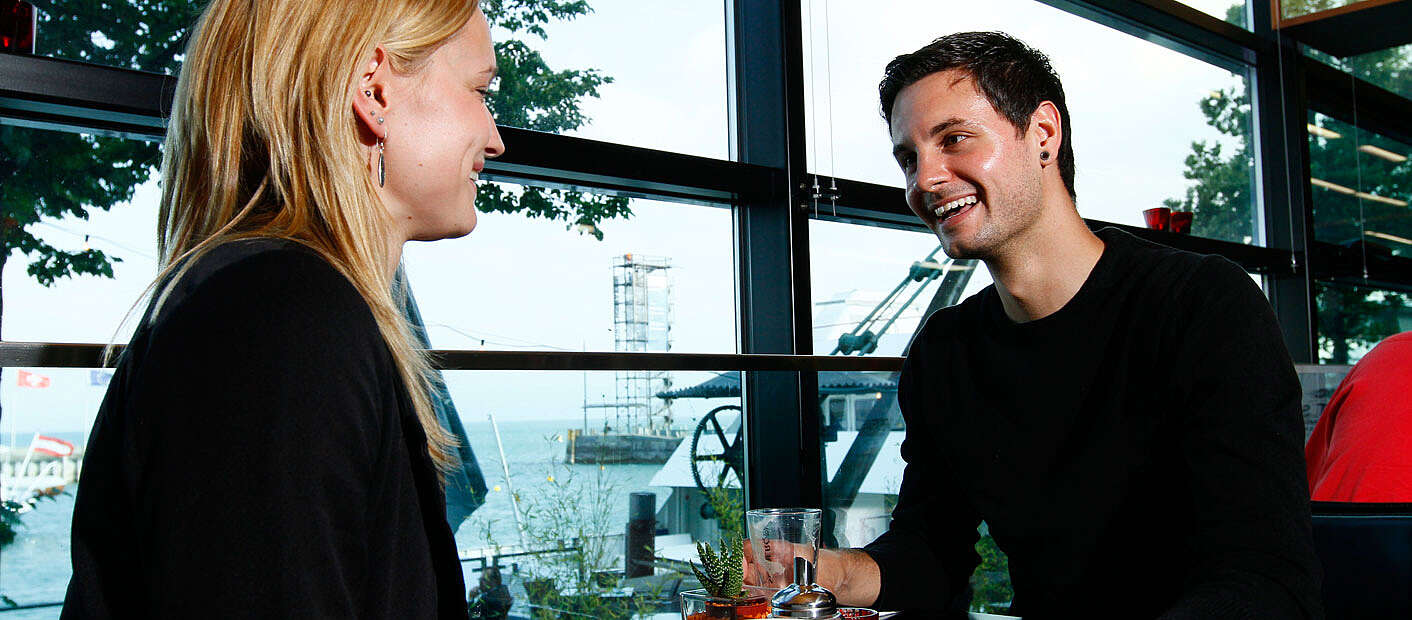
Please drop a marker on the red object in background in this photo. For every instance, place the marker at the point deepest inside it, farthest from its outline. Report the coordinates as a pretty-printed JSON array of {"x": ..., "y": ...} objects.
[
  {"x": 17, "y": 25},
  {"x": 1157, "y": 219},
  {"x": 1181, "y": 222},
  {"x": 1361, "y": 448}
]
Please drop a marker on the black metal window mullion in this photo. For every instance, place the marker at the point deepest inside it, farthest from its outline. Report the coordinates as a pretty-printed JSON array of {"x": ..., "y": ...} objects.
[
  {"x": 1282, "y": 155},
  {"x": 783, "y": 445}
]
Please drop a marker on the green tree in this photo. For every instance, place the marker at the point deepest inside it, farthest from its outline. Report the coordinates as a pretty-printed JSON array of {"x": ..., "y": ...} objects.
[
  {"x": 1349, "y": 318},
  {"x": 531, "y": 95}
]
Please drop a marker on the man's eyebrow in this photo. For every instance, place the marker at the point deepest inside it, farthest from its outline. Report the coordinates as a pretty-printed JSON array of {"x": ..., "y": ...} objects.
[
  {"x": 946, "y": 124},
  {"x": 936, "y": 129}
]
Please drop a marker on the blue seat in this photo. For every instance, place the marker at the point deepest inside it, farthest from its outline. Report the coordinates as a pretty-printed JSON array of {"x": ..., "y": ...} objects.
[{"x": 1366, "y": 551}]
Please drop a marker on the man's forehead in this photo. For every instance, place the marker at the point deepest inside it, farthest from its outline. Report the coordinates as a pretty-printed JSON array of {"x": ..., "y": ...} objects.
[{"x": 950, "y": 94}]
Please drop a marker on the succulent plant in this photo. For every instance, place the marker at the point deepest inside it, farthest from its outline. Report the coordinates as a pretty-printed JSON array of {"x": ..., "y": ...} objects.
[{"x": 721, "y": 573}]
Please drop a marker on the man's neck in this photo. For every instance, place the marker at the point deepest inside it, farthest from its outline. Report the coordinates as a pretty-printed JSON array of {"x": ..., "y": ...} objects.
[{"x": 1043, "y": 268}]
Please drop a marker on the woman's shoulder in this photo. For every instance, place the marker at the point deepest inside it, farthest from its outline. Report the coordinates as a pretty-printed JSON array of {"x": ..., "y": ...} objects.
[{"x": 267, "y": 273}]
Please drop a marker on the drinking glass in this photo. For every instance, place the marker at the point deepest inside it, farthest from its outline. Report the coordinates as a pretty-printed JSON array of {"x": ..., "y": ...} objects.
[
  {"x": 1158, "y": 218},
  {"x": 777, "y": 536},
  {"x": 1181, "y": 222}
]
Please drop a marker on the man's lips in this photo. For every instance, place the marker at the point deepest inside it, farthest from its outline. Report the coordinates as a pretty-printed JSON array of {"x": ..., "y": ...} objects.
[{"x": 946, "y": 210}]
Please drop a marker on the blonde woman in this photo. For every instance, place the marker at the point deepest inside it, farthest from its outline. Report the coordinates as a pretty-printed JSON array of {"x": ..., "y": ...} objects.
[{"x": 267, "y": 447}]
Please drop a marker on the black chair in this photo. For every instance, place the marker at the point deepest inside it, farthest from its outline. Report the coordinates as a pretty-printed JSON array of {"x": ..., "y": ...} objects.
[{"x": 1366, "y": 551}]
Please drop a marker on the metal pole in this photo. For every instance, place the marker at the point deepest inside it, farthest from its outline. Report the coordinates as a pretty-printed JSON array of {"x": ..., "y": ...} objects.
[
  {"x": 509, "y": 486},
  {"x": 641, "y": 534}
]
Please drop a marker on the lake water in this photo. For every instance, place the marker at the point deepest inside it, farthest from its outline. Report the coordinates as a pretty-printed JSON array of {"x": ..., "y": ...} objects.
[{"x": 35, "y": 568}]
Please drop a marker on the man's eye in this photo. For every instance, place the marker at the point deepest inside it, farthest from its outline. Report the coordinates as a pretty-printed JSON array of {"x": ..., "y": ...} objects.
[{"x": 952, "y": 139}]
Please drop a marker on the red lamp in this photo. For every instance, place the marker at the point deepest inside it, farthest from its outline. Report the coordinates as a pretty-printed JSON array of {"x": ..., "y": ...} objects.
[{"x": 17, "y": 26}]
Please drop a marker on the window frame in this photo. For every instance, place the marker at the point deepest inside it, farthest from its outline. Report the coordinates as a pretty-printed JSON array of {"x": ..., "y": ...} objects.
[{"x": 766, "y": 183}]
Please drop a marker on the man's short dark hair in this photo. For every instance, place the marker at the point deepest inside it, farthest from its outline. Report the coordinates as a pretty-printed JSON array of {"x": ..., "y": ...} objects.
[{"x": 1014, "y": 77}]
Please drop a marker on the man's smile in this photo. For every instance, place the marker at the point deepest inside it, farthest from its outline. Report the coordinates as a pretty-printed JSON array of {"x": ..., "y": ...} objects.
[{"x": 953, "y": 208}]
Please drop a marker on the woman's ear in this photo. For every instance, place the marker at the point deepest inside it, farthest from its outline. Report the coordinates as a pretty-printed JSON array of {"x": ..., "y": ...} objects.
[{"x": 369, "y": 100}]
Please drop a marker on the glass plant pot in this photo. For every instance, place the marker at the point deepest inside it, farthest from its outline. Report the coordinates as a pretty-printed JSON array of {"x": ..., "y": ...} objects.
[{"x": 699, "y": 605}]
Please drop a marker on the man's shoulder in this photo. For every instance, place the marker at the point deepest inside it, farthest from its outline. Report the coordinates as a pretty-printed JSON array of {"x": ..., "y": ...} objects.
[{"x": 1170, "y": 275}]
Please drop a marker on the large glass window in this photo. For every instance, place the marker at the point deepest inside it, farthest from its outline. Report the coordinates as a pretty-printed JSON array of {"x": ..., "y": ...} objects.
[
  {"x": 1352, "y": 319},
  {"x": 559, "y": 487},
  {"x": 47, "y": 415},
  {"x": 524, "y": 280},
  {"x": 657, "y": 73},
  {"x": 1362, "y": 185},
  {"x": 871, "y": 286},
  {"x": 602, "y": 69},
  {"x": 660, "y": 279},
  {"x": 1389, "y": 68},
  {"x": 78, "y": 253},
  {"x": 1151, "y": 126}
]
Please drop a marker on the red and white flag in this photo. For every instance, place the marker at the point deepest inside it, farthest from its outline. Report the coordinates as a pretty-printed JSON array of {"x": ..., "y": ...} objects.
[
  {"x": 31, "y": 380},
  {"x": 51, "y": 446}
]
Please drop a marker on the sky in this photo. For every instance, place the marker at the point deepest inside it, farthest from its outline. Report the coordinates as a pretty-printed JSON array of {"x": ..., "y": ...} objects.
[{"x": 526, "y": 284}]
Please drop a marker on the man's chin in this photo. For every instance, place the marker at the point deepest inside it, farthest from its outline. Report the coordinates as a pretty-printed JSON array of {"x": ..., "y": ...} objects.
[{"x": 960, "y": 249}]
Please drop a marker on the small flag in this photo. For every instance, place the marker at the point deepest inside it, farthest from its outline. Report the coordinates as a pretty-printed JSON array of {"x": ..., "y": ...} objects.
[
  {"x": 31, "y": 380},
  {"x": 99, "y": 377},
  {"x": 51, "y": 446}
]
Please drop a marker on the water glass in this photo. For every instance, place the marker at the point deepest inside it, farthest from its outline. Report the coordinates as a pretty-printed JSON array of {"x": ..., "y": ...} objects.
[{"x": 776, "y": 537}]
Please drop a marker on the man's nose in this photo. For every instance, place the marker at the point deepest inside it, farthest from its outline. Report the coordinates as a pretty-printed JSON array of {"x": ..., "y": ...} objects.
[{"x": 933, "y": 171}]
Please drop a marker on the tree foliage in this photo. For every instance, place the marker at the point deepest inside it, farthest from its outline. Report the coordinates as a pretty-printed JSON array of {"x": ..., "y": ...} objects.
[
  {"x": 52, "y": 175},
  {"x": 531, "y": 95},
  {"x": 1349, "y": 318}
]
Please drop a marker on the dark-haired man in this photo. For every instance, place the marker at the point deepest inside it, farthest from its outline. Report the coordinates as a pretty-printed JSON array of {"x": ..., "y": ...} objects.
[{"x": 1123, "y": 416}]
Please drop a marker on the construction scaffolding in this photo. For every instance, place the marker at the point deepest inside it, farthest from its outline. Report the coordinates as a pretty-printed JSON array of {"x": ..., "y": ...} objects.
[{"x": 642, "y": 322}]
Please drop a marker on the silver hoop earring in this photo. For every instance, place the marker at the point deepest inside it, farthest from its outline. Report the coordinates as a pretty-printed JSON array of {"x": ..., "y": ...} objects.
[{"x": 382, "y": 166}]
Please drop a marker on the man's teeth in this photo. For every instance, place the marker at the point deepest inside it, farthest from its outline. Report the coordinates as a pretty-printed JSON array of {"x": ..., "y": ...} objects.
[
  {"x": 475, "y": 176},
  {"x": 942, "y": 210}
]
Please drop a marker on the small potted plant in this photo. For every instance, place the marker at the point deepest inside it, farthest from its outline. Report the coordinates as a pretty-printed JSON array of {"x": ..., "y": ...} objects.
[{"x": 723, "y": 595}]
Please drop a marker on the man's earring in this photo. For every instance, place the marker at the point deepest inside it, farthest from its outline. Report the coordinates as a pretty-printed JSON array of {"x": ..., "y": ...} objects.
[
  {"x": 367, "y": 93},
  {"x": 382, "y": 166},
  {"x": 1044, "y": 155}
]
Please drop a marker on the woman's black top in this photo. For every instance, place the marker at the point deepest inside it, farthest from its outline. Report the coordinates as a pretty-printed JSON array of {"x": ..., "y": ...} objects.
[{"x": 257, "y": 455}]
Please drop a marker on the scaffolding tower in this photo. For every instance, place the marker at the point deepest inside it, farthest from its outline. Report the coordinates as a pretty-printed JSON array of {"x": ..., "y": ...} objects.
[{"x": 642, "y": 322}]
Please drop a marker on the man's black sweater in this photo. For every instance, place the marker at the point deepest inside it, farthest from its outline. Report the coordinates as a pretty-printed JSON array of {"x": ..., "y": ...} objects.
[{"x": 1136, "y": 454}]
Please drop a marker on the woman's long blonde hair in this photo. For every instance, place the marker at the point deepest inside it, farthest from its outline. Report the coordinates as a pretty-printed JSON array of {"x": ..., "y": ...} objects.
[{"x": 263, "y": 142}]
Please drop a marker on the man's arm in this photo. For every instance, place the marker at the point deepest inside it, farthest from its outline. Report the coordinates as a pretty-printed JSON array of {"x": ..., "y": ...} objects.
[
  {"x": 927, "y": 554},
  {"x": 929, "y": 550},
  {"x": 851, "y": 574},
  {"x": 1241, "y": 434}
]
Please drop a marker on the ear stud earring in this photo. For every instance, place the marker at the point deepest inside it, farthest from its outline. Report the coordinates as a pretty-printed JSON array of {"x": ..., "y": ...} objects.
[{"x": 1043, "y": 155}]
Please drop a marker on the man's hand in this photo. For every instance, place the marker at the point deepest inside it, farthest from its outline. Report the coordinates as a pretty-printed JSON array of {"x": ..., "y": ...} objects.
[{"x": 850, "y": 574}]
